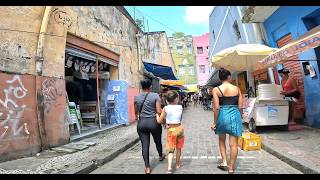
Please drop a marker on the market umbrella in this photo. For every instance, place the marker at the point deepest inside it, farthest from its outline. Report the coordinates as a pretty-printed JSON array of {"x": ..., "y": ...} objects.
[{"x": 241, "y": 57}]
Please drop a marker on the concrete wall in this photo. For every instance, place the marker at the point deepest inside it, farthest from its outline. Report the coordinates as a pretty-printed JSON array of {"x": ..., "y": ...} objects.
[
  {"x": 155, "y": 49},
  {"x": 228, "y": 37},
  {"x": 188, "y": 58},
  {"x": 33, "y": 99},
  {"x": 202, "y": 59},
  {"x": 288, "y": 19}
]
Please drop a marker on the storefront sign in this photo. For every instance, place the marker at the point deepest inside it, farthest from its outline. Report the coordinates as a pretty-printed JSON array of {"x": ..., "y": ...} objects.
[
  {"x": 272, "y": 112},
  {"x": 110, "y": 97},
  {"x": 290, "y": 50},
  {"x": 116, "y": 88},
  {"x": 248, "y": 107}
]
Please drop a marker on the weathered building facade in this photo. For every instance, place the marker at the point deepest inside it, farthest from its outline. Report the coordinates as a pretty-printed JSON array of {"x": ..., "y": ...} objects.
[
  {"x": 184, "y": 58},
  {"x": 33, "y": 45}
]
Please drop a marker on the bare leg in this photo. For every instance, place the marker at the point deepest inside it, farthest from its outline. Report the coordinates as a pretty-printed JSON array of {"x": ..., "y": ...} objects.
[
  {"x": 170, "y": 159},
  {"x": 233, "y": 141},
  {"x": 222, "y": 146},
  {"x": 178, "y": 156}
]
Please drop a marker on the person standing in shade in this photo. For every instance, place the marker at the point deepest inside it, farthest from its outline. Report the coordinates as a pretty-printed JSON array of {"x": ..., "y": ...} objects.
[
  {"x": 291, "y": 91},
  {"x": 147, "y": 105},
  {"x": 228, "y": 102}
]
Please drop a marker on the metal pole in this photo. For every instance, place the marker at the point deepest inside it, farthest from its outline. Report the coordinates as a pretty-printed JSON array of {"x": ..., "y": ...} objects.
[{"x": 98, "y": 91}]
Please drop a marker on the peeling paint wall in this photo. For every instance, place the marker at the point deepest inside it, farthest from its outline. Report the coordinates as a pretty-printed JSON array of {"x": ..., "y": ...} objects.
[
  {"x": 18, "y": 126},
  {"x": 155, "y": 49},
  {"x": 30, "y": 105},
  {"x": 19, "y": 38}
]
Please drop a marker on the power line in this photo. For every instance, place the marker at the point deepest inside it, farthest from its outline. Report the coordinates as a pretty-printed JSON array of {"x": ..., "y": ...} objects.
[{"x": 156, "y": 20}]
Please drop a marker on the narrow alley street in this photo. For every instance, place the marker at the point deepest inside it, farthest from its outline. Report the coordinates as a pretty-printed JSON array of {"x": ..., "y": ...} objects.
[{"x": 200, "y": 154}]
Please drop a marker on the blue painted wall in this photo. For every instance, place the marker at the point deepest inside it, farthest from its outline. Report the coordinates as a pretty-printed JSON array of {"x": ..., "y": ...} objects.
[
  {"x": 288, "y": 19},
  {"x": 120, "y": 113},
  {"x": 228, "y": 37}
]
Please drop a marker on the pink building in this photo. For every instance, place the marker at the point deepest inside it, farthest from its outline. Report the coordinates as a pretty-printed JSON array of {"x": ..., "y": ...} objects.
[{"x": 201, "y": 48}]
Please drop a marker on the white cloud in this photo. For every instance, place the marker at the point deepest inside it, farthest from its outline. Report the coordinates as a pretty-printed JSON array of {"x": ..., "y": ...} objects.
[{"x": 197, "y": 14}]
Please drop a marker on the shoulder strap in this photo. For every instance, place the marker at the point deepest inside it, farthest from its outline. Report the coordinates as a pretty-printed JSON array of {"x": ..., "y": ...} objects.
[
  {"x": 220, "y": 91},
  {"x": 143, "y": 103}
]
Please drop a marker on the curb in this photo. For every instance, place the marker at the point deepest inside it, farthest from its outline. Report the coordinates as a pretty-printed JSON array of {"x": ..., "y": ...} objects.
[
  {"x": 295, "y": 164},
  {"x": 96, "y": 163},
  {"x": 95, "y": 133}
]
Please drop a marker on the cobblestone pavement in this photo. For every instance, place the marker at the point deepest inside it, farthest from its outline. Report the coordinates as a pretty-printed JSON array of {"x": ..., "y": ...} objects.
[
  {"x": 200, "y": 154},
  {"x": 300, "y": 146},
  {"x": 50, "y": 162}
]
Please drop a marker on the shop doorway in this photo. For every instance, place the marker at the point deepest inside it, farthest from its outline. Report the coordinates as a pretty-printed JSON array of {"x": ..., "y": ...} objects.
[
  {"x": 242, "y": 82},
  {"x": 83, "y": 92}
]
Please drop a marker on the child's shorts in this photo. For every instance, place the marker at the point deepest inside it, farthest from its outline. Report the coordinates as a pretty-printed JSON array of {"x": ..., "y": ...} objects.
[{"x": 175, "y": 138}]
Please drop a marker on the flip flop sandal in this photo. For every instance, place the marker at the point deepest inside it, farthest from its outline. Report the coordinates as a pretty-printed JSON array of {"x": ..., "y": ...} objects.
[
  {"x": 147, "y": 171},
  {"x": 162, "y": 157},
  {"x": 222, "y": 167},
  {"x": 169, "y": 171},
  {"x": 178, "y": 166}
]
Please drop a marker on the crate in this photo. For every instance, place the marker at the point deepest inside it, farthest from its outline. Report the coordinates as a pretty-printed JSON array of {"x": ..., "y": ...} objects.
[{"x": 250, "y": 141}]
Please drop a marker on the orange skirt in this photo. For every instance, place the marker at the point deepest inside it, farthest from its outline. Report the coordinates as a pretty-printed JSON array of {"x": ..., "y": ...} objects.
[{"x": 175, "y": 138}]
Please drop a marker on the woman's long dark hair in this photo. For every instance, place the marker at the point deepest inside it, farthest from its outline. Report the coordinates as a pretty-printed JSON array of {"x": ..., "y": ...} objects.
[{"x": 223, "y": 74}]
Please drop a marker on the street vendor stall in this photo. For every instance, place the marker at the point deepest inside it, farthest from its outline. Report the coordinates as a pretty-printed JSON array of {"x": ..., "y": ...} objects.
[{"x": 269, "y": 107}]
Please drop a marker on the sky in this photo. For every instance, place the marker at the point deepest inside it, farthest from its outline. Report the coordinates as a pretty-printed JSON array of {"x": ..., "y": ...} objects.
[{"x": 191, "y": 20}]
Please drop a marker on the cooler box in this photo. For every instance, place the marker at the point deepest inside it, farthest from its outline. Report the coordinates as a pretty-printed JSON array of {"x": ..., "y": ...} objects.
[{"x": 250, "y": 142}]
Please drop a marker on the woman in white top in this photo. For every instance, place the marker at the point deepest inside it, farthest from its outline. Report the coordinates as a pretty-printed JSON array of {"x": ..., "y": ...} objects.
[{"x": 175, "y": 132}]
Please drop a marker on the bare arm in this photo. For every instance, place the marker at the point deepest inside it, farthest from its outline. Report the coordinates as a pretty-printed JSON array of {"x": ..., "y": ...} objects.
[
  {"x": 136, "y": 110},
  {"x": 216, "y": 107},
  {"x": 161, "y": 117},
  {"x": 158, "y": 107},
  {"x": 295, "y": 86},
  {"x": 240, "y": 103}
]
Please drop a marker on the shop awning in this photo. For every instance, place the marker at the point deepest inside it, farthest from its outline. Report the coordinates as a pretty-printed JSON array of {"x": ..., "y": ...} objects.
[
  {"x": 306, "y": 42},
  {"x": 241, "y": 57},
  {"x": 192, "y": 88},
  {"x": 172, "y": 82},
  {"x": 214, "y": 80},
  {"x": 172, "y": 87},
  {"x": 164, "y": 72}
]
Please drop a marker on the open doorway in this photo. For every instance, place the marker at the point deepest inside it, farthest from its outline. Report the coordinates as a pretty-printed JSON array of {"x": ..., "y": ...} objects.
[{"x": 83, "y": 93}]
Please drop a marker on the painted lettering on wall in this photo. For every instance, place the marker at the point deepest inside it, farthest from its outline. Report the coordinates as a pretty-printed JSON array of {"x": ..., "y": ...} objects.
[
  {"x": 51, "y": 90},
  {"x": 11, "y": 112}
]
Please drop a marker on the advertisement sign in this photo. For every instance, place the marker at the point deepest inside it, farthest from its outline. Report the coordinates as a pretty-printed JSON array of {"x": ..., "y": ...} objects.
[
  {"x": 272, "y": 112},
  {"x": 248, "y": 108},
  {"x": 290, "y": 50},
  {"x": 116, "y": 88}
]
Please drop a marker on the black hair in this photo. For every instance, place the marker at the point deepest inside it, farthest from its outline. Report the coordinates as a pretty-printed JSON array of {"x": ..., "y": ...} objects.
[
  {"x": 146, "y": 83},
  {"x": 171, "y": 96},
  {"x": 284, "y": 71},
  {"x": 223, "y": 74}
]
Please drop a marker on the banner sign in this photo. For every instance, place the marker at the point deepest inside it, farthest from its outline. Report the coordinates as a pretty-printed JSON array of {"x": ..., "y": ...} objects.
[{"x": 311, "y": 41}]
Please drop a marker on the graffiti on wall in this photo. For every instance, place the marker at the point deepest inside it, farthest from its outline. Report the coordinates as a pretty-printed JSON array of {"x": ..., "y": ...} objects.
[
  {"x": 51, "y": 90},
  {"x": 61, "y": 17},
  {"x": 11, "y": 112}
]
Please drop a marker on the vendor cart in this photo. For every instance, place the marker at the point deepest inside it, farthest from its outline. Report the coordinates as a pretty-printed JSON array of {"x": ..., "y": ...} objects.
[{"x": 269, "y": 108}]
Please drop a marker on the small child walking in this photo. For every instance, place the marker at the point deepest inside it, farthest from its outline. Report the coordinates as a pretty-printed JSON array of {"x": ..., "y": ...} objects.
[{"x": 172, "y": 113}]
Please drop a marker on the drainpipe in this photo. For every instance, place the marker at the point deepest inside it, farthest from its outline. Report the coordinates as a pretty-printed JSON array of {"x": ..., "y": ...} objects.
[
  {"x": 39, "y": 63},
  {"x": 43, "y": 30}
]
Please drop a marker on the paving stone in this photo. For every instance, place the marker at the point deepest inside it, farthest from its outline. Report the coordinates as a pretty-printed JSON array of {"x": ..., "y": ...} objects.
[{"x": 200, "y": 141}]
